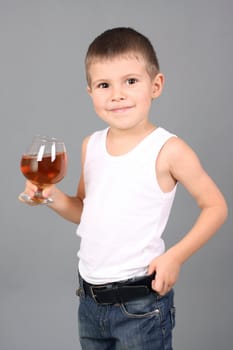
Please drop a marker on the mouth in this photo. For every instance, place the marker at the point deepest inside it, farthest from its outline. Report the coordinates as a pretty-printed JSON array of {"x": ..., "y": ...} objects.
[{"x": 120, "y": 109}]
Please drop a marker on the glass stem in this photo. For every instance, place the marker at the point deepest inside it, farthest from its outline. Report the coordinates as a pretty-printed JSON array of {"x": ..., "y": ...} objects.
[{"x": 38, "y": 193}]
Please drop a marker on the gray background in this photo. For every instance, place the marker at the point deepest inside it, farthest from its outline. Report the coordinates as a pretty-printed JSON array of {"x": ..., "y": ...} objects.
[{"x": 43, "y": 90}]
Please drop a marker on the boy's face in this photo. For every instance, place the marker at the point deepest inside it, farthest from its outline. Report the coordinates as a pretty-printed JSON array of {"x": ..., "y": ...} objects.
[{"x": 122, "y": 91}]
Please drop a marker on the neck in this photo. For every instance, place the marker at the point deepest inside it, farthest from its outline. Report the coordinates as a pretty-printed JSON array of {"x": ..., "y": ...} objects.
[
  {"x": 139, "y": 131},
  {"x": 119, "y": 142}
]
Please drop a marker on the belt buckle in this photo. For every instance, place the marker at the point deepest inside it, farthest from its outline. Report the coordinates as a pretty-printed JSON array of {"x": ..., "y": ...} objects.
[
  {"x": 115, "y": 289},
  {"x": 94, "y": 296}
]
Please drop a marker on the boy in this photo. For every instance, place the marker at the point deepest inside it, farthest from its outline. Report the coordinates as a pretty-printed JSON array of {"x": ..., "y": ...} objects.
[{"x": 130, "y": 172}]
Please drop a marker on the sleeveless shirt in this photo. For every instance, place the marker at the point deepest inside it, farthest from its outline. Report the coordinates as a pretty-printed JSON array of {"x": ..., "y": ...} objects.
[{"x": 125, "y": 211}]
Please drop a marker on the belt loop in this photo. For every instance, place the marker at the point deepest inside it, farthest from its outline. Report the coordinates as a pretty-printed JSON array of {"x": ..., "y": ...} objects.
[{"x": 80, "y": 291}]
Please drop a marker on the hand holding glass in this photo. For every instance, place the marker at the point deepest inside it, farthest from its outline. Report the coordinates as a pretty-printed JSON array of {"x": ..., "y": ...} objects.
[{"x": 44, "y": 164}]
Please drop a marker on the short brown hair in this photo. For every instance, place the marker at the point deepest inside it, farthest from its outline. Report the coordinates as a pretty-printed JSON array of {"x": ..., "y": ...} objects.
[{"x": 120, "y": 41}]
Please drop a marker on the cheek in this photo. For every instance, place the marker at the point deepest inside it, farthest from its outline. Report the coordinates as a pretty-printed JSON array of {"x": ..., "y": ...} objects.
[
  {"x": 144, "y": 99},
  {"x": 97, "y": 102},
  {"x": 99, "y": 107}
]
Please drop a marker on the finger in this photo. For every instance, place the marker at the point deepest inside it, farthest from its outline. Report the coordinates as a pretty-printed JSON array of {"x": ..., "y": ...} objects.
[
  {"x": 45, "y": 193},
  {"x": 30, "y": 186},
  {"x": 26, "y": 199},
  {"x": 48, "y": 192},
  {"x": 151, "y": 269},
  {"x": 158, "y": 285}
]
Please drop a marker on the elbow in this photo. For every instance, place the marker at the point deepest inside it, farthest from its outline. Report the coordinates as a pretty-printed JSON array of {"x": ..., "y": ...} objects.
[
  {"x": 225, "y": 214},
  {"x": 223, "y": 211}
]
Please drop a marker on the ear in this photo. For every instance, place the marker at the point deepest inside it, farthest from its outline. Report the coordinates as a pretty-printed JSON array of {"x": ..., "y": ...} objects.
[
  {"x": 89, "y": 90},
  {"x": 157, "y": 85}
]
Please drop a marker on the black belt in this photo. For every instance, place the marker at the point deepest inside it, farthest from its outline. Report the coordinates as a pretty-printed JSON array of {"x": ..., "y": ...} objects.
[{"x": 119, "y": 292}]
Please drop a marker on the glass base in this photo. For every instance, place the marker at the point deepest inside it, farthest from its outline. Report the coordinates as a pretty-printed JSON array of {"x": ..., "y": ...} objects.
[{"x": 24, "y": 197}]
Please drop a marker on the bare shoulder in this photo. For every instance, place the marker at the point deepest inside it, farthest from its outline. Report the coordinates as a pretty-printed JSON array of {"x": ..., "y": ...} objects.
[
  {"x": 177, "y": 162},
  {"x": 85, "y": 141},
  {"x": 181, "y": 160},
  {"x": 166, "y": 161},
  {"x": 83, "y": 151},
  {"x": 84, "y": 147},
  {"x": 81, "y": 187},
  {"x": 185, "y": 166},
  {"x": 176, "y": 148}
]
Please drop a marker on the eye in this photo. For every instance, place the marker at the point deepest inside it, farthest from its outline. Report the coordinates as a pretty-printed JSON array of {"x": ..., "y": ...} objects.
[
  {"x": 131, "y": 81},
  {"x": 103, "y": 85}
]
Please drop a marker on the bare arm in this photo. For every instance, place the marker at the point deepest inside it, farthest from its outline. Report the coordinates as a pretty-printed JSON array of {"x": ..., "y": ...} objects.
[
  {"x": 184, "y": 166},
  {"x": 69, "y": 207}
]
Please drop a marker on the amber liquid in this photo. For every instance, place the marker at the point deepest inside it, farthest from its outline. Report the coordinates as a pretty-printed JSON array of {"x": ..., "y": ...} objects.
[{"x": 45, "y": 171}]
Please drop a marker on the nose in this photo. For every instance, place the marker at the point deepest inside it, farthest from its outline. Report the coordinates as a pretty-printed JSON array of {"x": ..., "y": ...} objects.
[{"x": 118, "y": 94}]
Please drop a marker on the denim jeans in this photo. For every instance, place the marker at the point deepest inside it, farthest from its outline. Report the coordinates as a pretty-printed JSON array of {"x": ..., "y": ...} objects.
[{"x": 142, "y": 324}]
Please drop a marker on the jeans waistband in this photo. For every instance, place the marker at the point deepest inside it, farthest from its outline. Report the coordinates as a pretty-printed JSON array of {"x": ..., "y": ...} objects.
[{"x": 118, "y": 292}]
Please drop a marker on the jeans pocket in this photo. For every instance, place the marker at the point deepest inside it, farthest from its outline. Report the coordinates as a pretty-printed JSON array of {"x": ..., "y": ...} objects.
[
  {"x": 173, "y": 316},
  {"x": 142, "y": 307}
]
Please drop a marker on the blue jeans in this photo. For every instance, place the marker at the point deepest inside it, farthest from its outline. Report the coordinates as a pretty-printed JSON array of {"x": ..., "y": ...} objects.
[{"x": 142, "y": 324}]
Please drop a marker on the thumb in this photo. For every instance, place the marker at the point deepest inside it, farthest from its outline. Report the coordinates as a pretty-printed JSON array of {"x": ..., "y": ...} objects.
[
  {"x": 158, "y": 284},
  {"x": 151, "y": 268},
  {"x": 47, "y": 192}
]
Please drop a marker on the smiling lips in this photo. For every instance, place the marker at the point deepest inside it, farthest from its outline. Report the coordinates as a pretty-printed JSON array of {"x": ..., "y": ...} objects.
[{"x": 120, "y": 109}]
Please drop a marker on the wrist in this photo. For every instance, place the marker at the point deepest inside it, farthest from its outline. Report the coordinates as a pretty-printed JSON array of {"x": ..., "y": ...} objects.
[{"x": 176, "y": 255}]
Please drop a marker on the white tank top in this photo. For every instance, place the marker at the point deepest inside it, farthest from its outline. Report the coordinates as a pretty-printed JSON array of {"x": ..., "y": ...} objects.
[{"x": 125, "y": 211}]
